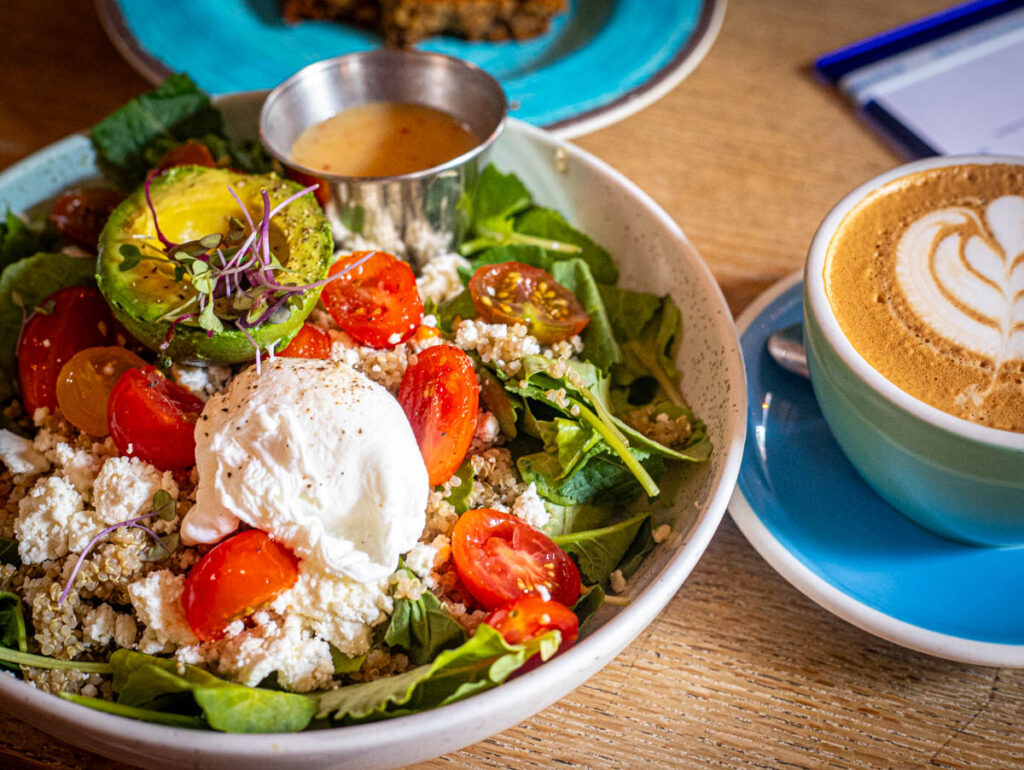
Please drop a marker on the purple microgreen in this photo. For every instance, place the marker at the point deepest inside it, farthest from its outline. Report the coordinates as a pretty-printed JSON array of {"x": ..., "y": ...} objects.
[
  {"x": 163, "y": 505},
  {"x": 251, "y": 342},
  {"x": 241, "y": 205},
  {"x": 164, "y": 547}
]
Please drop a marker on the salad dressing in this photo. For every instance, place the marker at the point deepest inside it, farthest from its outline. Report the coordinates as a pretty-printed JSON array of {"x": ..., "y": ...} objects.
[{"x": 382, "y": 139}]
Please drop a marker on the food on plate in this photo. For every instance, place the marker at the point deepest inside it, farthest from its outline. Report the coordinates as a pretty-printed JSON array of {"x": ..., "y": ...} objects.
[
  {"x": 403, "y": 22},
  {"x": 387, "y": 501},
  {"x": 382, "y": 139}
]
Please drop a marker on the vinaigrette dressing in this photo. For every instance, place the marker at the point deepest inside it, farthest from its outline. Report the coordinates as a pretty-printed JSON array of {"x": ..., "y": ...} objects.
[{"x": 382, "y": 139}]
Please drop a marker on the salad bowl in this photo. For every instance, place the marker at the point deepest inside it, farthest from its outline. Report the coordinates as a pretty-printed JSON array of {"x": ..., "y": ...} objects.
[{"x": 653, "y": 255}]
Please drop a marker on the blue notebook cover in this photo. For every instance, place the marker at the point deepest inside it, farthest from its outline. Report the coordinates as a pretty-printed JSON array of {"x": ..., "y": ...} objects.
[{"x": 952, "y": 82}]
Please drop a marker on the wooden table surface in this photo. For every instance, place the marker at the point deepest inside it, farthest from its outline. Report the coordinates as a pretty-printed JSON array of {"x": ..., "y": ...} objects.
[{"x": 747, "y": 155}]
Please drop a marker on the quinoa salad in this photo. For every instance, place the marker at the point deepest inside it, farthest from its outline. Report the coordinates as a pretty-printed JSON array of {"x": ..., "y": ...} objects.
[{"x": 258, "y": 476}]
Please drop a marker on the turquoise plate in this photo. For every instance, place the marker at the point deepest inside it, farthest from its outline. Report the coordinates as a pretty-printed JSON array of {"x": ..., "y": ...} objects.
[
  {"x": 598, "y": 63},
  {"x": 810, "y": 515}
]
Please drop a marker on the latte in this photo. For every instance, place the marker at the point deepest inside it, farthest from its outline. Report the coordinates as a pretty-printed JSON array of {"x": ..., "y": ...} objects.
[{"x": 926, "y": 279}]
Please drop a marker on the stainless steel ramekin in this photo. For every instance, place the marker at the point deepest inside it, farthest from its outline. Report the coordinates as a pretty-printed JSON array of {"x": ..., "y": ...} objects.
[{"x": 415, "y": 215}]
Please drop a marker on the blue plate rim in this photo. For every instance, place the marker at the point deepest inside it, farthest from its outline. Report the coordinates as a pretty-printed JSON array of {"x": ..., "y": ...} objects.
[
  {"x": 684, "y": 62},
  {"x": 827, "y": 595}
]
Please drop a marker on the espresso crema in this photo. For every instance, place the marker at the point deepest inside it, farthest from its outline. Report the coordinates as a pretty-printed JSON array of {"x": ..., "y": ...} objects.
[{"x": 926, "y": 279}]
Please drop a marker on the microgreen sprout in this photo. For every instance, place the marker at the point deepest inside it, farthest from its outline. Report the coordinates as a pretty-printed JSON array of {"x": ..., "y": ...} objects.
[
  {"x": 236, "y": 275},
  {"x": 163, "y": 506}
]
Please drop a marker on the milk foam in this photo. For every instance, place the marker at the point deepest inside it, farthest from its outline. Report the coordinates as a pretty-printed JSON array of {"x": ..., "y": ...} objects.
[{"x": 963, "y": 276}]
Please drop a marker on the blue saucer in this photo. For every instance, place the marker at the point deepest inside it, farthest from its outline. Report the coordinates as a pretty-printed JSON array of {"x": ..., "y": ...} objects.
[
  {"x": 598, "y": 63},
  {"x": 810, "y": 515}
]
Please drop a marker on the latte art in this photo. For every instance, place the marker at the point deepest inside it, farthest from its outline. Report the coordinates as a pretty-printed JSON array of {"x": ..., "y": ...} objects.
[
  {"x": 963, "y": 276},
  {"x": 926, "y": 279}
]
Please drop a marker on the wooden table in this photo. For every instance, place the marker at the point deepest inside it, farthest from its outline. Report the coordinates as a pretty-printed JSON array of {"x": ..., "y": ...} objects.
[{"x": 740, "y": 669}]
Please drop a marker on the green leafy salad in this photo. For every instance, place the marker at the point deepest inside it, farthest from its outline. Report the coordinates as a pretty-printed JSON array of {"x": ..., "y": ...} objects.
[{"x": 543, "y": 398}]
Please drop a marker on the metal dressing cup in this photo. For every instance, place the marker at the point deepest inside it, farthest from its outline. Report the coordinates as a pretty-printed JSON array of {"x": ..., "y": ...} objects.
[{"x": 414, "y": 216}]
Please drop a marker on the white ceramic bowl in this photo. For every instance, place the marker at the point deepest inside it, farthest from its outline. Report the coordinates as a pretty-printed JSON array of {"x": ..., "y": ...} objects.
[{"x": 652, "y": 254}]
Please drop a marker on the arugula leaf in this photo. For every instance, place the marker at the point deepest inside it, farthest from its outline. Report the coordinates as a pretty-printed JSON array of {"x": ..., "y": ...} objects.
[
  {"x": 629, "y": 311},
  {"x": 20, "y": 239},
  {"x": 498, "y": 402},
  {"x": 598, "y": 552},
  {"x": 133, "y": 712},
  {"x": 574, "y": 518},
  {"x": 534, "y": 256},
  {"x": 345, "y": 664},
  {"x": 604, "y": 477},
  {"x": 482, "y": 662},
  {"x": 548, "y": 225},
  {"x": 455, "y": 309},
  {"x": 176, "y": 110},
  {"x": 11, "y": 655},
  {"x": 24, "y": 285},
  {"x": 12, "y": 625},
  {"x": 587, "y": 605},
  {"x": 638, "y": 550},
  {"x": 460, "y": 494},
  {"x": 144, "y": 680},
  {"x": 9, "y": 551},
  {"x": 493, "y": 196},
  {"x": 423, "y": 628},
  {"x": 599, "y": 345}
]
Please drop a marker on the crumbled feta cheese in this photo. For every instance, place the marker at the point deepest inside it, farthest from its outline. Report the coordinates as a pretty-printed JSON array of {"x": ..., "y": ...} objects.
[
  {"x": 125, "y": 487},
  {"x": 203, "y": 381},
  {"x": 618, "y": 582},
  {"x": 439, "y": 280},
  {"x": 125, "y": 630},
  {"x": 424, "y": 557},
  {"x": 19, "y": 456},
  {"x": 337, "y": 609},
  {"x": 78, "y": 466},
  {"x": 156, "y": 599},
  {"x": 486, "y": 433},
  {"x": 530, "y": 508},
  {"x": 660, "y": 534},
  {"x": 45, "y": 517},
  {"x": 302, "y": 662},
  {"x": 99, "y": 623}
]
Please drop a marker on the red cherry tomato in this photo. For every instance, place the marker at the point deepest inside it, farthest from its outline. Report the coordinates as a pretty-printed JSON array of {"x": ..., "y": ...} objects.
[
  {"x": 81, "y": 212},
  {"x": 440, "y": 396},
  {"x": 72, "y": 319},
  {"x": 529, "y": 617},
  {"x": 191, "y": 153},
  {"x": 376, "y": 301},
  {"x": 153, "y": 418},
  {"x": 501, "y": 558},
  {"x": 511, "y": 292},
  {"x": 322, "y": 193},
  {"x": 236, "y": 578},
  {"x": 310, "y": 342}
]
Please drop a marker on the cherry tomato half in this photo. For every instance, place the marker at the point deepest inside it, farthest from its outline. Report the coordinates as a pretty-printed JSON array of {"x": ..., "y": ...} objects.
[
  {"x": 72, "y": 319},
  {"x": 529, "y": 617},
  {"x": 81, "y": 212},
  {"x": 501, "y": 558},
  {"x": 377, "y": 302},
  {"x": 191, "y": 153},
  {"x": 440, "y": 396},
  {"x": 153, "y": 418},
  {"x": 234, "y": 579},
  {"x": 85, "y": 382},
  {"x": 511, "y": 292},
  {"x": 310, "y": 342},
  {"x": 322, "y": 193}
]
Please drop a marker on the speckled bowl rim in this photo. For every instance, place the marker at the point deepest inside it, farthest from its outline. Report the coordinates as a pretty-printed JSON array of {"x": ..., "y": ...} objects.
[{"x": 439, "y": 729}]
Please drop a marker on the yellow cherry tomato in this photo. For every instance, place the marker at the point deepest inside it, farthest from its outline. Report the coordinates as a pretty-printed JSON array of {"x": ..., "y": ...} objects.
[{"x": 85, "y": 382}]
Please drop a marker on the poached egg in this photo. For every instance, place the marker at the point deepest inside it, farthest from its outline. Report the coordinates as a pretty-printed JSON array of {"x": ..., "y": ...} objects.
[{"x": 319, "y": 457}]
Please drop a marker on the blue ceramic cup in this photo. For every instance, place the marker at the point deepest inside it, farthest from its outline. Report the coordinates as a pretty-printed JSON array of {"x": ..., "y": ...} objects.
[{"x": 957, "y": 478}]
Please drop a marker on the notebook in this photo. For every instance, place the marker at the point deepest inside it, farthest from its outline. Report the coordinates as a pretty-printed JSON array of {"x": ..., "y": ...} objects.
[{"x": 950, "y": 83}]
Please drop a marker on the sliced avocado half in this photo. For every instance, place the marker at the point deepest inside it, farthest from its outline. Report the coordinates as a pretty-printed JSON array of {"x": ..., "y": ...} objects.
[{"x": 192, "y": 202}]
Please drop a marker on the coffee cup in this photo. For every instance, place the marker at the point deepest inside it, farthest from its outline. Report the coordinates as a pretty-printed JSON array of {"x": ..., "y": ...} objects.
[{"x": 914, "y": 325}]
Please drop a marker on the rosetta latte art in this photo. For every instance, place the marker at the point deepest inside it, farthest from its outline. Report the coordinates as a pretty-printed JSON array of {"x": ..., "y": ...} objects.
[{"x": 963, "y": 275}]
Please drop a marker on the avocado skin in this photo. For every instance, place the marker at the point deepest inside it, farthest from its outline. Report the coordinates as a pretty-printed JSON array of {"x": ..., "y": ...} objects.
[{"x": 193, "y": 201}]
